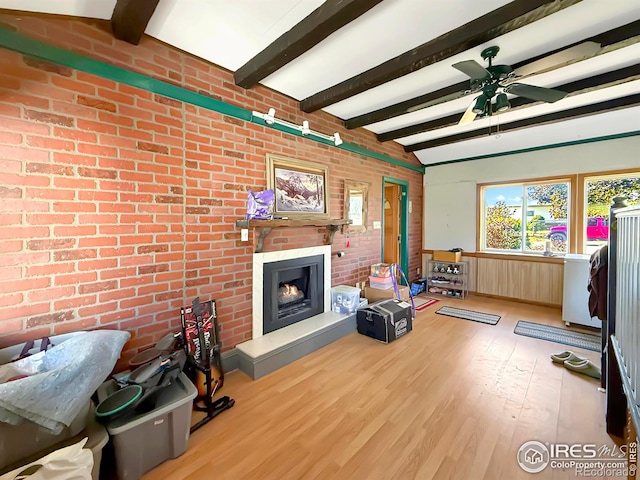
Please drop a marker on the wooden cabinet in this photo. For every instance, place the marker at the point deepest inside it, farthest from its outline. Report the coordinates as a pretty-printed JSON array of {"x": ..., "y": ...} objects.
[{"x": 530, "y": 281}]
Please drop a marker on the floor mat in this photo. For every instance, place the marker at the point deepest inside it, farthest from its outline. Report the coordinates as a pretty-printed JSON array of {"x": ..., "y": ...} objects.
[
  {"x": 423, "y": 302},
  {"x": 487, "y": 318},
  {"x": 587, "y": 341}
]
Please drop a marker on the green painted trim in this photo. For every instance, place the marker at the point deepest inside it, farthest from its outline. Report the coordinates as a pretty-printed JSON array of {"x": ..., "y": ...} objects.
[
  {"x": 541, "y": 147},
  {"x": 363, "y": 151},
  {"x": 22, "y": 44},
  {"x": 404, "y": 222}
]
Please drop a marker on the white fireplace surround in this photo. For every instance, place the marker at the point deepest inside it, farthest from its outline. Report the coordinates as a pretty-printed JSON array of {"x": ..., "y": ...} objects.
[{"x": 259, "y": 259}]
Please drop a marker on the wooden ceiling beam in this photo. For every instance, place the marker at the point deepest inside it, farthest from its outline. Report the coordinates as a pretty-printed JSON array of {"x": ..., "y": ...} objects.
[
  {"x": 130, "y": 19},
  {"x": 613, "y": 104},
  {"x": 458, "y": 90},
  {"x": 507, "y": 18},
  {"x": 322, "y": 22},
  {"x": 450, "y": 120}
]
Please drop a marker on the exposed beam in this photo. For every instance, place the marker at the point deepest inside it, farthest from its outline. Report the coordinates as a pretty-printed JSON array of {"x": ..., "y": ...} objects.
[
  {"x": 130, "y": 19},
  {"x": 322, "y": 22},
  {"x": 614, "y": 104},
  {"x": 512, "y": 16},
  {"x": 449, "y": 120},
  {"x": 445, "y": 94}
]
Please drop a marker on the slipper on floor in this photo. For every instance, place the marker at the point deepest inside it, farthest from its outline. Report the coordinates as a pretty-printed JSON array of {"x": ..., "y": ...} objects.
[
  {"x": 585, "y": 367},
  {"x": 565, "y": 356}
]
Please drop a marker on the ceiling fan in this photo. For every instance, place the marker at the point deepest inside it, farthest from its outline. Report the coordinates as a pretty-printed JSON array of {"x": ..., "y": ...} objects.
[{"x": 490, "y": 80}]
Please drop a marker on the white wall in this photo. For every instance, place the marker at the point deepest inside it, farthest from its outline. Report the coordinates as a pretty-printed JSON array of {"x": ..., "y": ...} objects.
[{"x": 450, "y": 190}]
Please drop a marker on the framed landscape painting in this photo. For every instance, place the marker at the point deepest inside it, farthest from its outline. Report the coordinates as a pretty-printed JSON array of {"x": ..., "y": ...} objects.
[{"x": 300, "y": 188}]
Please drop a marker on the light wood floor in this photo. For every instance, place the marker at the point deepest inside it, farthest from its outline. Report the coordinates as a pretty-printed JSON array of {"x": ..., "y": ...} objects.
[{"x": 454, "y": 399}]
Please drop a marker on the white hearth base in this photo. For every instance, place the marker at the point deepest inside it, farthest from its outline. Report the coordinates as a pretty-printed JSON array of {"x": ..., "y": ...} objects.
[{"x": 265, "y": 354}]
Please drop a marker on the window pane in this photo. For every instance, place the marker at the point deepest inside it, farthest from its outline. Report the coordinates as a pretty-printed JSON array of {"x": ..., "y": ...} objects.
[
  {"x": 600, "y": 192},
  {"x": 548, "y": 227},
  {"x": 503, "y": 217}
]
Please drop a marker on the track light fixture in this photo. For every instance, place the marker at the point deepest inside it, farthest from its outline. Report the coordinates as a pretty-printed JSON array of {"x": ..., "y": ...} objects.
[
  {"x": 270, "y": 116},
  {"x": 270, "y": 119}
]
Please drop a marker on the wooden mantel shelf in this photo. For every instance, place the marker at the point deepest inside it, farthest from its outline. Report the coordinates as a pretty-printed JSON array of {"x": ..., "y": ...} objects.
[{"x": 264, "y": 227}]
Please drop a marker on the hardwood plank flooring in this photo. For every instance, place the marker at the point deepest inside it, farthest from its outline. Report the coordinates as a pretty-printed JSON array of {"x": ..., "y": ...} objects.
[{"x": 453, "y": 399}]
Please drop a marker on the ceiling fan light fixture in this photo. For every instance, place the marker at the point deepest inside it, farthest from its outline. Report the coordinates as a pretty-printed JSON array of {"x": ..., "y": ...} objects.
[
  {"x": 481, "y": 103},
  {"x": 502, "y": 103}
]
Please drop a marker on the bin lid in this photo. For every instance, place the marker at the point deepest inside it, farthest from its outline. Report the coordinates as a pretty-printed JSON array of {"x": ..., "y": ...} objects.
[
  {"x": 180, "y": 392},
  {"x": 345, "y": 289}
]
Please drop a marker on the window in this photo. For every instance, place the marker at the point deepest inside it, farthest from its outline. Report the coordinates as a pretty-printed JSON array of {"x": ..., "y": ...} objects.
[
  {"x": 507, "y": 226},
  {"x": 599, "y": 191}
]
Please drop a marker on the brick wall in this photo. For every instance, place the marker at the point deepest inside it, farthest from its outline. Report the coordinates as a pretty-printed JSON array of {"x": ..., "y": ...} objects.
[{"x": 117, "y": 206}]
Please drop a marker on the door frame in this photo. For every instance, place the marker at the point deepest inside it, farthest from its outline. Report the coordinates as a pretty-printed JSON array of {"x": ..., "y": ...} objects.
[{"x": 404, "y": 222}]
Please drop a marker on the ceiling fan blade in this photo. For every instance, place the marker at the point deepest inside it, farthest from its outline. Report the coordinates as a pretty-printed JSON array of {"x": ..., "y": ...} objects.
[
  {"x": 540, "y": 94},
  {"x": 583, "y": 49},
  {"x": 469, "y": 115},
  {"x": 473, "y": 69}
]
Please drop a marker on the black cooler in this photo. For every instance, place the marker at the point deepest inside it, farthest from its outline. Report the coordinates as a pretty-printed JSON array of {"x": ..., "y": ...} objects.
[{"x": 386, "y": 320}]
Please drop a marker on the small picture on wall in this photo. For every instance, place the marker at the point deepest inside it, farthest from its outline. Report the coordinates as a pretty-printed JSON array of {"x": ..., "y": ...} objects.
[{"x": 300, "y": 187}]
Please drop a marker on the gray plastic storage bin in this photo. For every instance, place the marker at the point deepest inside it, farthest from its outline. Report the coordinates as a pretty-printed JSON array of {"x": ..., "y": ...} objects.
[
  {"x": 143, "y": 441},
  {"x": 97, "y": 439},
  {"x": 26, "y": 438}
]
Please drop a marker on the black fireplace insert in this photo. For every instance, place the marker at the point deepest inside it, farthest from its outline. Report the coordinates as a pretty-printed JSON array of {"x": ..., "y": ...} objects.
[{"x": 293, "y": 291}]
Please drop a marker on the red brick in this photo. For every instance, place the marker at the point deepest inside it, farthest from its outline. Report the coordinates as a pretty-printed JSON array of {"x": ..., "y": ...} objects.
[
  {"x": 96, "y": 103},
  {"x": 10, "y": 192},
  {"x": 47, "y": 67},
  {"x": 72, "y": 159},
  {"x": 50, "y": 318},
  {"x": 50, "y": 219},
  {"x": 77, "y": 254},
  {"x": 46, "y": 117},
  {"x": 75, "y": 231},
  {"x": 74, "y": 135},
  {"x": 97, "y": 309},
  {"x": 51, "y": 244},
  {"x": 75, "y": 278},
  {"x": 97, "y": 173},
  {"x": 49, "y": 169},
  {"x": 51, "y": 293},
  {"x": 97, "y": 287},
  {"x": 74, "y": 302},
  {"x": 26, "y": 100},
  {"x": 68, "y": 84},
  {"x": 10, "y": 138},
  {"x": 10, "y": 218},
  {"x": 152, "y": 147},
  {"x": 117, "y": 316},
  {"x": 10, "y": 300},
  {"x": 9, "y": 326},
  {"x": 97, "y": 126},
  {"x": 23, "y": 153}
]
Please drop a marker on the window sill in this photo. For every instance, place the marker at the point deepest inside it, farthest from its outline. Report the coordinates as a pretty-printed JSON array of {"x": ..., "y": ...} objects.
[{"x": 522, "y": 257}]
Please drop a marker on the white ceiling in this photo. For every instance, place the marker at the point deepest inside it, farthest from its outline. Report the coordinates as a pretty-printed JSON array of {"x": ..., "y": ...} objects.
[{"x": 229, "y": 33}]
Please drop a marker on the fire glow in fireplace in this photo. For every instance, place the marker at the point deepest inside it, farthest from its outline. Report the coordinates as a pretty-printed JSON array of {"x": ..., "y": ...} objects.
[{"x": 293, "y": 290}]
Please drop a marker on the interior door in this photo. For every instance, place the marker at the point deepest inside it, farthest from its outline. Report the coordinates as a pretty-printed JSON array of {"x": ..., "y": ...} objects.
[{"x": 392, "y": 196}]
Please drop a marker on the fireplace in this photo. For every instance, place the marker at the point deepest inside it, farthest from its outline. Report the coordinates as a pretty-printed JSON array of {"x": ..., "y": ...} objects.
[
  {"x": 290, "y": 286},
  {"x": 292, "y": 291}
]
